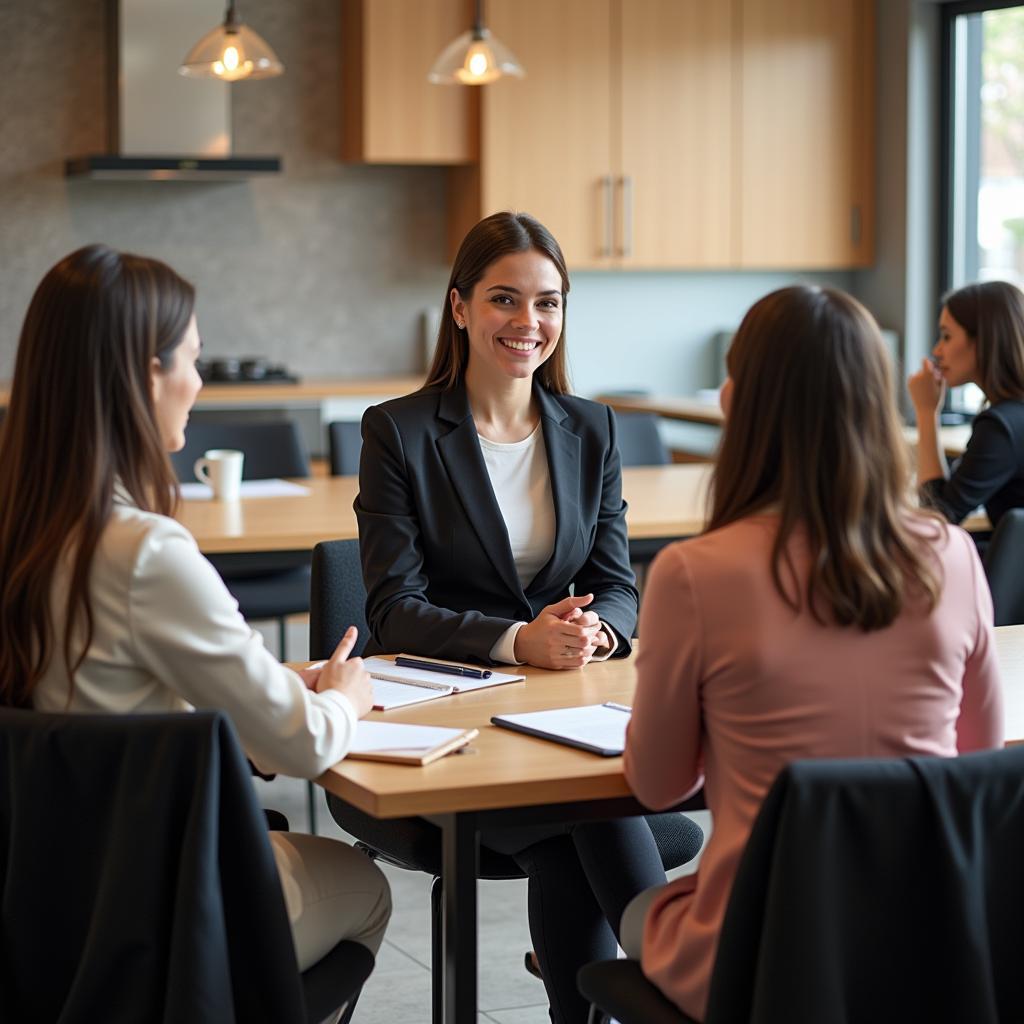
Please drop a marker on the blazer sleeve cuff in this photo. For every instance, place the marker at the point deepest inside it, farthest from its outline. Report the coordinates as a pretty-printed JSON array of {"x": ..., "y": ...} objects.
[{"x": 504, "y": 650}]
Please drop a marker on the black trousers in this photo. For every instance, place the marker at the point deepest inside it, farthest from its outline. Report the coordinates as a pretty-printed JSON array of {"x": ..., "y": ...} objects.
[{"x": 580, "y": 879}]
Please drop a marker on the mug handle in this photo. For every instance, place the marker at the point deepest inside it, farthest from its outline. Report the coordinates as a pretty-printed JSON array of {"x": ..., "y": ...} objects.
[{"x": 202, "y": 472}]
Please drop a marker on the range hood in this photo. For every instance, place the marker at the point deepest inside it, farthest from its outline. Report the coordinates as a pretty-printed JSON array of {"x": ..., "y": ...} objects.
[{"x": 162, "y": 125}]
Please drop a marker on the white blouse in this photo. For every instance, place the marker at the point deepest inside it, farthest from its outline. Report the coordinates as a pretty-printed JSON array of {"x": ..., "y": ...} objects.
[{"x": 168, "y": 636}]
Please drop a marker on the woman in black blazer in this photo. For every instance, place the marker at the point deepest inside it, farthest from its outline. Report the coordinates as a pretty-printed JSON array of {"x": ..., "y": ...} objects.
[
  {"x": 492, "y": 528},
  {"x": 981, "y": 341}
]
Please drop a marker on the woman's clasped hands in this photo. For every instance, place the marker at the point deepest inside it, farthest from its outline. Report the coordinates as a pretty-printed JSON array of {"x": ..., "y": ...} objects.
[{"x": 562, "y": 636}]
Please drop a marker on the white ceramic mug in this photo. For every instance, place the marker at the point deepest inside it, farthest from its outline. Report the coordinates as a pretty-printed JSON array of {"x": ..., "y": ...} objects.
[{"x": 221, "y": 470}]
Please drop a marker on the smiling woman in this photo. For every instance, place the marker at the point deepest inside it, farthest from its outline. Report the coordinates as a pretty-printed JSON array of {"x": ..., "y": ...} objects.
[{"x": 492, "y": 528}]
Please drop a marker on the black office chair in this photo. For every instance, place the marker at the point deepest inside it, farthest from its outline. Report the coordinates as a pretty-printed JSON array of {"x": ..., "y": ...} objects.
[
  {"x": 640, "y": 444},
  {"x": 344, "y": 445},
  {"x": 137, "y": 881},
  {"x": 1004, "y": 567},
  {"x": 882, "y": 890},
  {"x": 266, "y": 584},
  {"x": 337, "y": 600}
]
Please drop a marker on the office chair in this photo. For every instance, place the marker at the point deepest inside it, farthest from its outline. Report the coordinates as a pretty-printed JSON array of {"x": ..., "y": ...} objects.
[
  {"x": 337, "y": 600},
  {"x": 266, "y": 584},
  {"x": 1004, "y": 567},
  {"x": 882, "y": 890},
  {"x": 137, "y": 881},
  {"x": 640, "y": 444},
  {"x": 344, "y": 444}
]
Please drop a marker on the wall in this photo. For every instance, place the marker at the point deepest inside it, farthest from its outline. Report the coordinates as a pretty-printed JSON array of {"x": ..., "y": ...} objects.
[{"x": 325, "y": 267}]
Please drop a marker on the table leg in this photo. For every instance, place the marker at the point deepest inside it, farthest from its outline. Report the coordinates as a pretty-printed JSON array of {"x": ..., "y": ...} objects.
[{"x": 460, "y": 849}]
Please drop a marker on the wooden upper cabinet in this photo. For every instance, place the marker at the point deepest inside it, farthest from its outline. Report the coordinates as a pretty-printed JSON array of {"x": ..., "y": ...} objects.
[
  {"x": 392, "y": 114},
  {"x": 674, "y": 170},
  {"x": 806, "y": 152},
  {"x": 546, "y": 139}
]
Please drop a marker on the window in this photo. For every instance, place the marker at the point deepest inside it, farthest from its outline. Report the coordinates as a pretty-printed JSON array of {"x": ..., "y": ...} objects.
[{"x": 985, "y": 156}]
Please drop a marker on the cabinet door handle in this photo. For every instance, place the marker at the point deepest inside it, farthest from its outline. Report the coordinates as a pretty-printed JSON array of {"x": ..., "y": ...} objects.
[
  {"x": 626, "y": 192},
  {"x": 608, "y": 188}
]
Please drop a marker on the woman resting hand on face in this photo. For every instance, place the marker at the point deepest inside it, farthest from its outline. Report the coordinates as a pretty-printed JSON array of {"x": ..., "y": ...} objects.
[
  {"x": 492, "y": 529},
  {"x": 981, "y": 341}
]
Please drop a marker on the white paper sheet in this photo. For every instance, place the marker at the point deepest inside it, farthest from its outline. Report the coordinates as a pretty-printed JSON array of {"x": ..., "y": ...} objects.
[
  {"x": 247, "y": 489},
  {"x": 594, "y": 725},
  {"x": 372, "y": 737}
]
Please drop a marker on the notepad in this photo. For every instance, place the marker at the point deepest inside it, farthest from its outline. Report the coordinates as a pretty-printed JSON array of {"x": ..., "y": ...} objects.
[
  {"x": 599, "y": 728},
  {"x": 406, "y": 744},
  {"x": 395, "y": 686},
  {"x": 247, "y": 489}
]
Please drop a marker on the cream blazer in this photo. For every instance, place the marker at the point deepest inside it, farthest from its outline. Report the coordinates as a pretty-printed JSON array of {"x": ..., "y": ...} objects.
[{"x": 168, "y": 636}]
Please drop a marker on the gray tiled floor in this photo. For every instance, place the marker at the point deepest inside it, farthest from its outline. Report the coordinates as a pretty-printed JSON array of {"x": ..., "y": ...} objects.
[{"x": 398, "y": 991}]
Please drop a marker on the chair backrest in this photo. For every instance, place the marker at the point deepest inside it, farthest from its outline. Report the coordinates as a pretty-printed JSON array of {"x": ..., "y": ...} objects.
[
  {"x": 271, "y": 449},
  {"x": 138, "y": 881},
  {"x": 344, "y": 445},
  {"x": 890, "y": 888},
  {"x": 337, "y": 597},
  {"x": 640, "y": 444},
  {"x": 1004, "y": 567}
]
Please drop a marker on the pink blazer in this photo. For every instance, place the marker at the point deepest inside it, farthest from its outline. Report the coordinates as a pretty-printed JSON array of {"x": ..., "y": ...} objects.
[{"x": 732, "y": 685}]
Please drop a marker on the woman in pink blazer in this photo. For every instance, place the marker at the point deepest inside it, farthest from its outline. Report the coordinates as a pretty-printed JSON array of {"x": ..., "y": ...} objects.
[{"x": 820, "y": 615}]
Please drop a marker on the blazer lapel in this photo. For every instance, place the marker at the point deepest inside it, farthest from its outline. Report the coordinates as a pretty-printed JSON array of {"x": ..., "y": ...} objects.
[
  {"x": 563, "y": 450},
  {"x": 462, "y": 458}
]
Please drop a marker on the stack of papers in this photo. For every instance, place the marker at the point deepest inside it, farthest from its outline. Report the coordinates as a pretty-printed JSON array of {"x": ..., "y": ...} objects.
[
  {"x": 395, "y": 686},
  {"x": 247, "y": 489}
]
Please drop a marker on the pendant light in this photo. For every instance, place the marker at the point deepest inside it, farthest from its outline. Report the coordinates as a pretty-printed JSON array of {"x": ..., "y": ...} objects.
[
  {"x": 475, "y": 58},
  {"x": 231, "y": 52}
]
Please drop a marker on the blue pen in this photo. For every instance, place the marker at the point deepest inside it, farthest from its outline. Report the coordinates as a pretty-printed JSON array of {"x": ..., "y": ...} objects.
[{"x": 451, "y": 670}]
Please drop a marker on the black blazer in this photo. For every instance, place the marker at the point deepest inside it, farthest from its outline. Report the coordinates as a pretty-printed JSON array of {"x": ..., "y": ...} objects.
[{"x": 439, "y": 572}]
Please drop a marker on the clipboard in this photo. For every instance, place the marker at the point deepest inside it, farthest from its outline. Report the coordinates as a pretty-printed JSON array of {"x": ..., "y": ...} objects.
[
  {"x": 399, "y": 743},
  {"x": 597, "y": 728}
]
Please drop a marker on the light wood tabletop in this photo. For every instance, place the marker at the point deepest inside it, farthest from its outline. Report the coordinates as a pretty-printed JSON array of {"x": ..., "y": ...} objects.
[
  {"x": 665, "y": 501},
  {"x": 506, "y": 769},
  {"x": 695, "y": 410}
]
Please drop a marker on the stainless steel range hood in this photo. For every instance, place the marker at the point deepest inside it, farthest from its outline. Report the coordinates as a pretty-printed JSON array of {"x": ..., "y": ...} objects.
[{"x": 163, "y": 125}]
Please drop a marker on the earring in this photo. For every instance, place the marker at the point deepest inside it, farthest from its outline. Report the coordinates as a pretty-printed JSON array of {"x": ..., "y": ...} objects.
[{"x": 461, "y": 326}]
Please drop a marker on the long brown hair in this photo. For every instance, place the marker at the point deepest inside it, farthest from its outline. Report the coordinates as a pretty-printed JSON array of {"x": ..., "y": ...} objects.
[
  {"x": 492, "y": 238},
  {"x": 79, "y": 420},
  {"x": 992, "y": 314},
  {"x": 813, "y": 430}
]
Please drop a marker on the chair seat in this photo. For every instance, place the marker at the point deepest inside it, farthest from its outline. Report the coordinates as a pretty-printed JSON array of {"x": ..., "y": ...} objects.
[
  {"x": 272, "y": 595},
  {"x": 621, "y": 990}
]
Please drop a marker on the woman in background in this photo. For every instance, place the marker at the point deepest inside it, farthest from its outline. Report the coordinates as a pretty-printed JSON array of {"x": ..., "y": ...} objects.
[
  {"x": 106, "y": 603},
  {"x": 817, "y": 592},
  {"x": 981, "y": 341},
  {"x": 492, "y": 528}
]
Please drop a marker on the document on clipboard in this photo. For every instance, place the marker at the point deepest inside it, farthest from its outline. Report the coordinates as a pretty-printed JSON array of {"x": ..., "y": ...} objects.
[{"x": 598, "y": 728}]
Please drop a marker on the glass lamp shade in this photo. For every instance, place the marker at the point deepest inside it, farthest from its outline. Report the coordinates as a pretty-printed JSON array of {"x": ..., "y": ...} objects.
[
  {"x": 475, "y": 58},
  {"x": 231, "y": 53}
]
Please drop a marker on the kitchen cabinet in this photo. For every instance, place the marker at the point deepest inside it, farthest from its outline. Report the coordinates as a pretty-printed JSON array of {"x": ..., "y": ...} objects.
[
  {"x": 681, "y": 134},
  {"x": 806, "y": 130},
  {"x": 391, "y": 114}
]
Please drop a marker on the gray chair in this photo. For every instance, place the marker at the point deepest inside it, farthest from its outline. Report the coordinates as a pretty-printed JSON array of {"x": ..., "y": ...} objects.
[
  {"x": 344, "y": 445},
  {"x": 266, "y": 584},
  {"x": 1004, "y": 567},
  {"x": 640, "y": 444},
  {"x": 338, "y": 600},
  {"x": 878, "y": 889},
  {"x": 137, "y": 881}
]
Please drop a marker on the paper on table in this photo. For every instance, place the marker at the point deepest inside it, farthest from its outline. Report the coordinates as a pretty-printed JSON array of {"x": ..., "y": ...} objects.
[
  {"x": 395, "y": 686},
  {"x": 600, "y": 728},
  {"x": 376, "y": 736},
  {"x": 247, "y": 489}
]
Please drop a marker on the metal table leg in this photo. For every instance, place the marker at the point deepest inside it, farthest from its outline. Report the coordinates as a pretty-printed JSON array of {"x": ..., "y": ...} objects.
[{"x": 460, "y": 857}]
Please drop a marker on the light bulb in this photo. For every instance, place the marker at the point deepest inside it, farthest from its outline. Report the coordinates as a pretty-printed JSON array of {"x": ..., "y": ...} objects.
[
  {"x": 477, "y": 64},
  {"x": 218, "y": 67},
  {"x": 230, "y": 58}
]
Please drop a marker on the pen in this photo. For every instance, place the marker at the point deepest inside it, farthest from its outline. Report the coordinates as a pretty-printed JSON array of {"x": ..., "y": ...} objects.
[
  {"x": 617, "y": 707},
  {"x": 451, "y": 670}
]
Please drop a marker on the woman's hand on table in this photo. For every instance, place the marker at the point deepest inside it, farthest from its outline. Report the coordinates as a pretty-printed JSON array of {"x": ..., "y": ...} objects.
[
  {"x": 347, "y": 676},
  {"x": 927, "y": 389},
  {"x": 562, "y": 636}
]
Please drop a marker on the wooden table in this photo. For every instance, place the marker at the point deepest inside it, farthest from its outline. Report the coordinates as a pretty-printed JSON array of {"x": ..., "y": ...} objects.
[
  {"x": 694, "y": 410},
  {"x": 511, "y": 779},
  {"x": 665, "y": 501}
]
